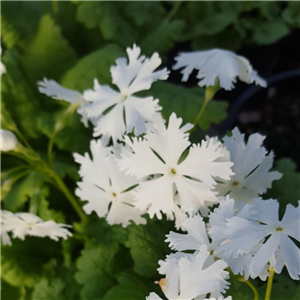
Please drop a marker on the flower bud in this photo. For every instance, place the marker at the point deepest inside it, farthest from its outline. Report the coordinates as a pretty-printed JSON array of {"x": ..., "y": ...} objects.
[{"x": 8, "y": 140}]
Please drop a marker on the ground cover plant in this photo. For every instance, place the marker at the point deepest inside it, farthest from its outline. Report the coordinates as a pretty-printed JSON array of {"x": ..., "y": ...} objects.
[{"x": 113, "y": 185}]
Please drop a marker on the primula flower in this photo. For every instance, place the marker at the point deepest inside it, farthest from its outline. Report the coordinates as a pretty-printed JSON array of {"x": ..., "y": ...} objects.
[
  {"x": 8, "y": 140},
  {"x": 54, "y": 90},
  {"x": 188, "y": 276},
  {"x": 5, "y": 216},
  {"x": 197, "y": 236},
  {"x": 22, "y": 224},
  {"x": 121, "y": 111},
  {"x": 107, "y": 189},
  {"x": 251, "y": 166},
  {"x": 217, "y": 65},
  {"x": 278, "y": 249},
  {"x": 157, "y": 157}
]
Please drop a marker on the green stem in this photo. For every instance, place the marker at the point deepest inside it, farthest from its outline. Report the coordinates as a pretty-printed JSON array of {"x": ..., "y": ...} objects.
[
  {"x": 269, "y": 284},
  {"x": 173, "y": 11},
  {"x": 64, "y": 189},
  {"x": 50, "y": 148},
  {"x": 55, "y": 8},
  {"x": 252, "y": 287}
]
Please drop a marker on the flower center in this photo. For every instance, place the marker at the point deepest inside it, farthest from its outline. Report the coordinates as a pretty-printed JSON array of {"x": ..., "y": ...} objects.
[
  {"x": 279, "y": 229},
  {"x": 173, "y": 171},
  {"x": 114, "y": 194},
  {"x": 235, "y": 183}
]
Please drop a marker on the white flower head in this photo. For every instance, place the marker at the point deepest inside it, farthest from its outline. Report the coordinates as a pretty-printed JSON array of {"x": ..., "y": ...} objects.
[
  {"x": 122, "y": 111},
  {"x": 278, "y": 249},
  {"x": 217, "y": 64},
  {"x": 107, "y": 190},
  {"x": 22, "y": 224},
  {"x": 54, "y": 90},
  {"x": 2, "y": 66},
  {"x": 5, "y": 216},
  {"x": 251, "y": 166},
  {"x": 158, "y": 157},
  {"x": 8, "y": 140},
  {"x": 197, "y": 236},
  {"x": 187, "y": 276}
]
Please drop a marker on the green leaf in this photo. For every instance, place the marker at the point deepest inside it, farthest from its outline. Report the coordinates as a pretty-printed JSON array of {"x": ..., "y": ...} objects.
[
  {"x": 9, "y": 292},
  {"x": 283, "y": 288},
  {"x": 214, "y": 23},
  {"x": 22, "y": 263},
  {"x": 97, "y": 270},
  {"x": 94, "y": 65},
  {"x": 147, "y": 246},
  {"x": 162, "y": 38},
  {"x": 142, "y": 12},
  {"x": 21, "y": 191},
  {"x": 286, "y": 189},
  {"x": 9, "y": 34},
  {"x": 48, "y": 290},
  {"x": 49, "y": 214},
  {"x": 292, "y": 13},
  {"x": 108, "y": 17},
  {"x": 269, "y": 32},
  {"x": 18, "y": 96},
  {"x": 187, "y": 102},
  {"x": 49, "y": 54}
]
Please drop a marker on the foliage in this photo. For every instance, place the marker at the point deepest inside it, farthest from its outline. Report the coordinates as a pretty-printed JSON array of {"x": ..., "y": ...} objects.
[{"x": 75, "y": 43}]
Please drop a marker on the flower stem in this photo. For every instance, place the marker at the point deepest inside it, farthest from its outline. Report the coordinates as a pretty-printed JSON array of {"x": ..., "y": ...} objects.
[
  {"x": 50, "y": 148},
  {"x": 252, "y": 287},
  {"x": 55, "y": 7},
  {"x": 173, "y": 11},
  {"x": 269, "y": 284},
  {"x": 64, "y": 189}
]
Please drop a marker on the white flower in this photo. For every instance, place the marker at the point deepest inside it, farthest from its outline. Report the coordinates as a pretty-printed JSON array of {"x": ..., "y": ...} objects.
[
  {"x": 54, "y": 90},
  {"x": 2, "y": 66},
  {"x": 106, "y": 188},
  {"x": 187, "y": 276},
  {"x": 157, "y": 156},
  {"x": 197, "y": 236},
  {"x": 22, "y": 224},
  {"x": 217, "y": 64},
  {"x": 5, "y": 216},
  {"x": 8, "y": 140},
  {"x": 278, "y": 249},
  {"x": 251, "y": 165},
  {"x": 127, "y": 112}
]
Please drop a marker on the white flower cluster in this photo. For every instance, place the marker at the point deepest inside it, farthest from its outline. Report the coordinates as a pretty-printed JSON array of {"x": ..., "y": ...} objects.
[
  {"x": 151, "y": 167},
  {"x": 249, "y": 241},
  {"x": 22, "y": 224}
]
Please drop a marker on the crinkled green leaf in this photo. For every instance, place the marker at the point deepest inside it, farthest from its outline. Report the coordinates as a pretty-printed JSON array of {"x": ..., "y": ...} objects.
[
  {"x": 97, "y": 270},
  {"x": 93, "y": 66},
  {"x": 147, "y": 246},
  {"x": 22, "y": 263},
  {"x": 108, "y": 17},
  {"x": 142, "y": 12},
  {"x": 50, "y": 290},
  {"x": 21, "y": 191},
  {"x": 187, "y": 102},
  {"x": 162, "y": 38},
  {"x": 286, "y": 189},
  {"x": 48, "y": 54}
]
